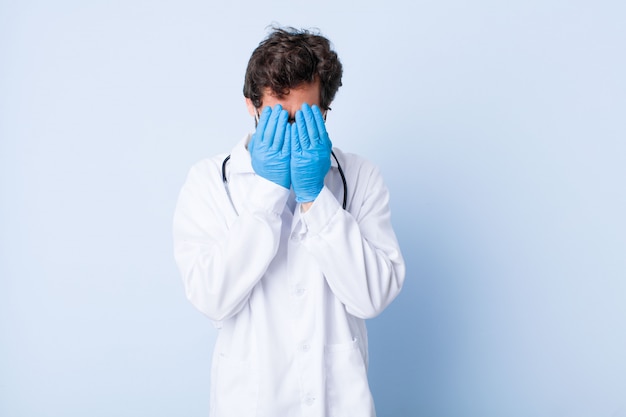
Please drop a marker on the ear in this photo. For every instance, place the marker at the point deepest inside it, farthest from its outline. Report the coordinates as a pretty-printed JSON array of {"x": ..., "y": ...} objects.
[{"x": 250, "y": 106}]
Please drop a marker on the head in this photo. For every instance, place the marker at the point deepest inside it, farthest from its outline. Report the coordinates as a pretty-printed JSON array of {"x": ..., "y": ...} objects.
[{"x": 292, "y": 67}]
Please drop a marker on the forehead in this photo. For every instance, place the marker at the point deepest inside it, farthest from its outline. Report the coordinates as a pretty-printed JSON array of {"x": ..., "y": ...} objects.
[{"x": 296, "y": 96}]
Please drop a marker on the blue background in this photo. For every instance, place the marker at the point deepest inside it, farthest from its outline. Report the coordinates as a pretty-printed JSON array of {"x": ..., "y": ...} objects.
[{"x": 500, "y": 129}]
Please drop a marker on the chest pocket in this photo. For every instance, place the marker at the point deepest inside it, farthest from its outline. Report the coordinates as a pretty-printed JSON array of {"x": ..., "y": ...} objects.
[
  {"x": 235, "y": 388},
  {"x": 347, "y": 389}
]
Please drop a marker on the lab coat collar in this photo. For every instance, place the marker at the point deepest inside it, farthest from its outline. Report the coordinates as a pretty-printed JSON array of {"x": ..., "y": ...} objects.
[
  {"x": 240, "y": 157},
  {"x": 338, "y": 154}
]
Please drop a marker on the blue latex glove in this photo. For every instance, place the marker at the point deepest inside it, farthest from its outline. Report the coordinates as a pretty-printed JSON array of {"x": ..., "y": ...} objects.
[
  {"x": 270, "y": 146},
  {"x": 310, "y": 153}
]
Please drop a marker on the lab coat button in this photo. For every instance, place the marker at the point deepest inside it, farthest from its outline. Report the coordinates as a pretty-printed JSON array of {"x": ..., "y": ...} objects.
[
  {"x": 300, "y": 291},
  {"x": 305, "y": 347},
  {"x": 309, "y": 400}
]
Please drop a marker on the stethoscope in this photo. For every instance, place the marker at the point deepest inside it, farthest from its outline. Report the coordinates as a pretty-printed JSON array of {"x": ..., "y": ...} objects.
[{"x": 343, "y": 180}]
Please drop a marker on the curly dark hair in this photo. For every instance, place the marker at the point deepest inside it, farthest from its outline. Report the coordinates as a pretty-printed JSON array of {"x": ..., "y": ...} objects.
[{"x": 288, "y": 58}]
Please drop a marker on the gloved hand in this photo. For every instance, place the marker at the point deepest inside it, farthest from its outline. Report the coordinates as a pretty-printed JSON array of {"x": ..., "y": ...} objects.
[
  {"x": 270, "y": 146},
  {"x": 310, "y": 153}
]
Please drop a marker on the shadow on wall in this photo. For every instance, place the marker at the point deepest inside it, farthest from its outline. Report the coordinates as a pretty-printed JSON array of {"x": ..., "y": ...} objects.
[
  {"x": 414, "y": 342},
  {"x": 406, "y": 342}
]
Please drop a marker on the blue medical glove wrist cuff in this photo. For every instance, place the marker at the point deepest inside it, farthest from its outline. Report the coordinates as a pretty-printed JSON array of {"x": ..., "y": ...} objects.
[{"x": 306, "y": 197}]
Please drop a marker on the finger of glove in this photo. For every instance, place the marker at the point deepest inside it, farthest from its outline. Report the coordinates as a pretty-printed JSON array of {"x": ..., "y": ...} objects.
[
  {"x": 311, "y": 125},
  {"x": 321, "y": 125},
  {"x": 303, "y": 134},
  {"x": 279, "y": 135},
  {"x": 263, "y": 119},
  {"x": 296, "y": 148},
  {"x": 270, "y": 129},
  {"x": 286, "y": 150},
  {"x": 260, "y": 128},
  {"x": 257, "y": 138}
]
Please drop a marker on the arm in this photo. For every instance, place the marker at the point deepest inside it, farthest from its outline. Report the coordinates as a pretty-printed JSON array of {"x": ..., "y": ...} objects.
[
  {"x": 221, "y": 257},
  {"x": 358, "y": 254}
]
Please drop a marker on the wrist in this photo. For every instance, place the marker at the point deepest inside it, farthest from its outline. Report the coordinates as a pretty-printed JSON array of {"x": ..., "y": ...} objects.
[{"x": 304, "y": 207}]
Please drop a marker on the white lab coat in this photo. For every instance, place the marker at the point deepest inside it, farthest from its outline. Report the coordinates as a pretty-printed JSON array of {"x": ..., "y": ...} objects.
[{"x": 288, "y": 291}]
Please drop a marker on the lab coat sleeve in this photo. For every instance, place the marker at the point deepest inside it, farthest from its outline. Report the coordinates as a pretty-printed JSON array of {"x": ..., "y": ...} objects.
[
  {"x": 222, "y": 256},
  {"x": 357, "y": 253}
]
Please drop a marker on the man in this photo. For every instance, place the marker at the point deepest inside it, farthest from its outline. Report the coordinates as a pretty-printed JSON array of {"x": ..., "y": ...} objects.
[{"x": 269, "y": 254}]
